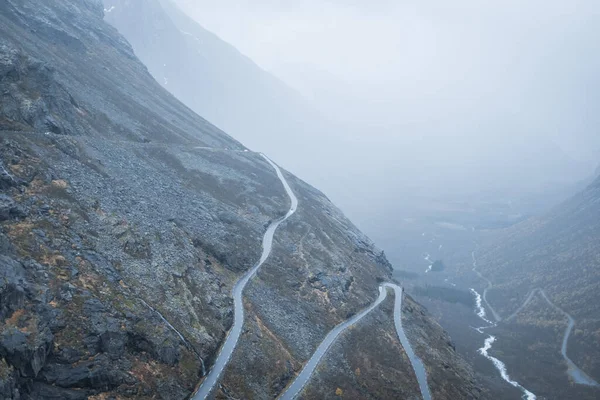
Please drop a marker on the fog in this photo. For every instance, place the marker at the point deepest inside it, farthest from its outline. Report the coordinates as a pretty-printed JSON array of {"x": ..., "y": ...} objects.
[
  {"x": 428, "y": 101},
  {"x": 469, "y": 70}
]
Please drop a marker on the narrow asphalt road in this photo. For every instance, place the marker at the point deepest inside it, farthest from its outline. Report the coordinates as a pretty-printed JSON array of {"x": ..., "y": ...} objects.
[
  {"x": 577, "y": 375},
  {"x": 234, "y": 334},
  {"x": 298, "y": 384},
  {"x": 304, "y": 377},
  {"x": 489, "y": 286},
  {"x": 573, "y": 370}
]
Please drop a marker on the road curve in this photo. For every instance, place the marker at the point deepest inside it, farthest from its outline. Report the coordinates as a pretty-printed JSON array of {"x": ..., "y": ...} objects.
[
  {"x": 525, "y": 304},
  {"x": 577, "y": 375},
  {"x": 234, "y": 334},
  {"x": 489, "y": 286},
  {"x": 303, "y": 378},
  {"x": 573, "y": 370}
]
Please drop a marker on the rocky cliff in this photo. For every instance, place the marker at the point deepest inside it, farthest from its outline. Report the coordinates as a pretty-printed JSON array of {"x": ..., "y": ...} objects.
[{"x": 126, "y": 219}]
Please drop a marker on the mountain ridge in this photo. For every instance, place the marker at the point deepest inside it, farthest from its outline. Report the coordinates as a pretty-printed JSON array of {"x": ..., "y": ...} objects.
[{"x": 207, "y": 73}]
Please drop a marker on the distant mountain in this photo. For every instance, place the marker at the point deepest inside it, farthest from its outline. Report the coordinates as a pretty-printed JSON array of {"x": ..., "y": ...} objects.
[
  {"x": 218, "y": 82},
  {"x": 558, "y": 253}
]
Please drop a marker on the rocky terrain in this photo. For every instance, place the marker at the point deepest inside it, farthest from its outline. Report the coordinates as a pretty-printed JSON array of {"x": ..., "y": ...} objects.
[{"x": 125, "y": 220}]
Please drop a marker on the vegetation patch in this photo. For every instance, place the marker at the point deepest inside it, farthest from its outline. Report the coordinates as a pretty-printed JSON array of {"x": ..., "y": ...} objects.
[{"x": 450, "y": 295}]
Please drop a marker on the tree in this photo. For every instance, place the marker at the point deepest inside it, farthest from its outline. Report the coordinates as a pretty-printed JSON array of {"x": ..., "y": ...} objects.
[{"x": 438, "y": 266}]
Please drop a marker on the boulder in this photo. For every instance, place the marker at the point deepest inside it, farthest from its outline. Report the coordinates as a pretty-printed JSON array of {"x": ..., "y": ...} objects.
[
  {"x": 9, "y": 209},
  {"x": 27, "y": 352},
  {"x": 12, "y": 281}
]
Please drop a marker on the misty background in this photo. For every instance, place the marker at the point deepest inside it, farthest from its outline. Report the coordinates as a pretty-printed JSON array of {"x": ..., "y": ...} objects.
[{"x": 464, "y": 112}]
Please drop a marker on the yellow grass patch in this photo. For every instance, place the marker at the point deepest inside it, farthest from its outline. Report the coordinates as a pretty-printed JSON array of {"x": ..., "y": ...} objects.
[
  {"x": 55, "y": 260},
  {"x": 15, "y": 317},
  {"x": 35, "y": 187},
  {"x": 145, "y": 372},
  {"x": 60, "y": 184},
  {"x": 19, "y": 229}
]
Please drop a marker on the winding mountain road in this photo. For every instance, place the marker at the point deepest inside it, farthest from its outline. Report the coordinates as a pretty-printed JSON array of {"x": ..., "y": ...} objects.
[
  {"x": 298, "y": 384},
  {"x": 489, "y": 286},
  {"x": 573, "y": 370},
  {"x": 303, "y": 378},
  {"x": 577, "y": 375},
  {"x": 234, "y": 334}
]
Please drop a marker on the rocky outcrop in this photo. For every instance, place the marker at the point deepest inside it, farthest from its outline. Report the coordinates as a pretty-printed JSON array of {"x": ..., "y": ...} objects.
[
  {"x": 33, "y": 100},
  {"x": 9, "y": 209},
  {"x": 8, "y": 382}
]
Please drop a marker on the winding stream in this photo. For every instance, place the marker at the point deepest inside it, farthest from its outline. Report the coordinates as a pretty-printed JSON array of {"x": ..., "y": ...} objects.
[
  {"x": 480, "y": 311},
  {"x": 577, "y": 375},
  {"x": 487, "y": 345},
  {"x": 489, "y": 286},
  {"x": 234, "y": 334},
  {"x": 428, "y": 259},
  {"x": 303, "y": 378},
  {"x": 500, "y": 366}
]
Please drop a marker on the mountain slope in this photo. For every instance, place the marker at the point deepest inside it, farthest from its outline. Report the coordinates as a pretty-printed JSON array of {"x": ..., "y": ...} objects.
[
  {"x": 126, "y": 219},
  {"x": 219, "y": 83},
  {"x": 559, "y": 254}
]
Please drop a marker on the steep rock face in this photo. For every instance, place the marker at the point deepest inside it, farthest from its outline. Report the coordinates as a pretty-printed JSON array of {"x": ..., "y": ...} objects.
[{"x": 126, "y": 219}]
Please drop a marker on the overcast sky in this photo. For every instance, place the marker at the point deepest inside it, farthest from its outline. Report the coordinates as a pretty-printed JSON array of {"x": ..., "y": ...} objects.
[{"x": 464, "y": 66}]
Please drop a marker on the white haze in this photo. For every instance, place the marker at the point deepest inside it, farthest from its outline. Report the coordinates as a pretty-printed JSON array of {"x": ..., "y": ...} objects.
[
  {"x": 533, "y": 62},
  {"x": 433, "y": 97}
]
